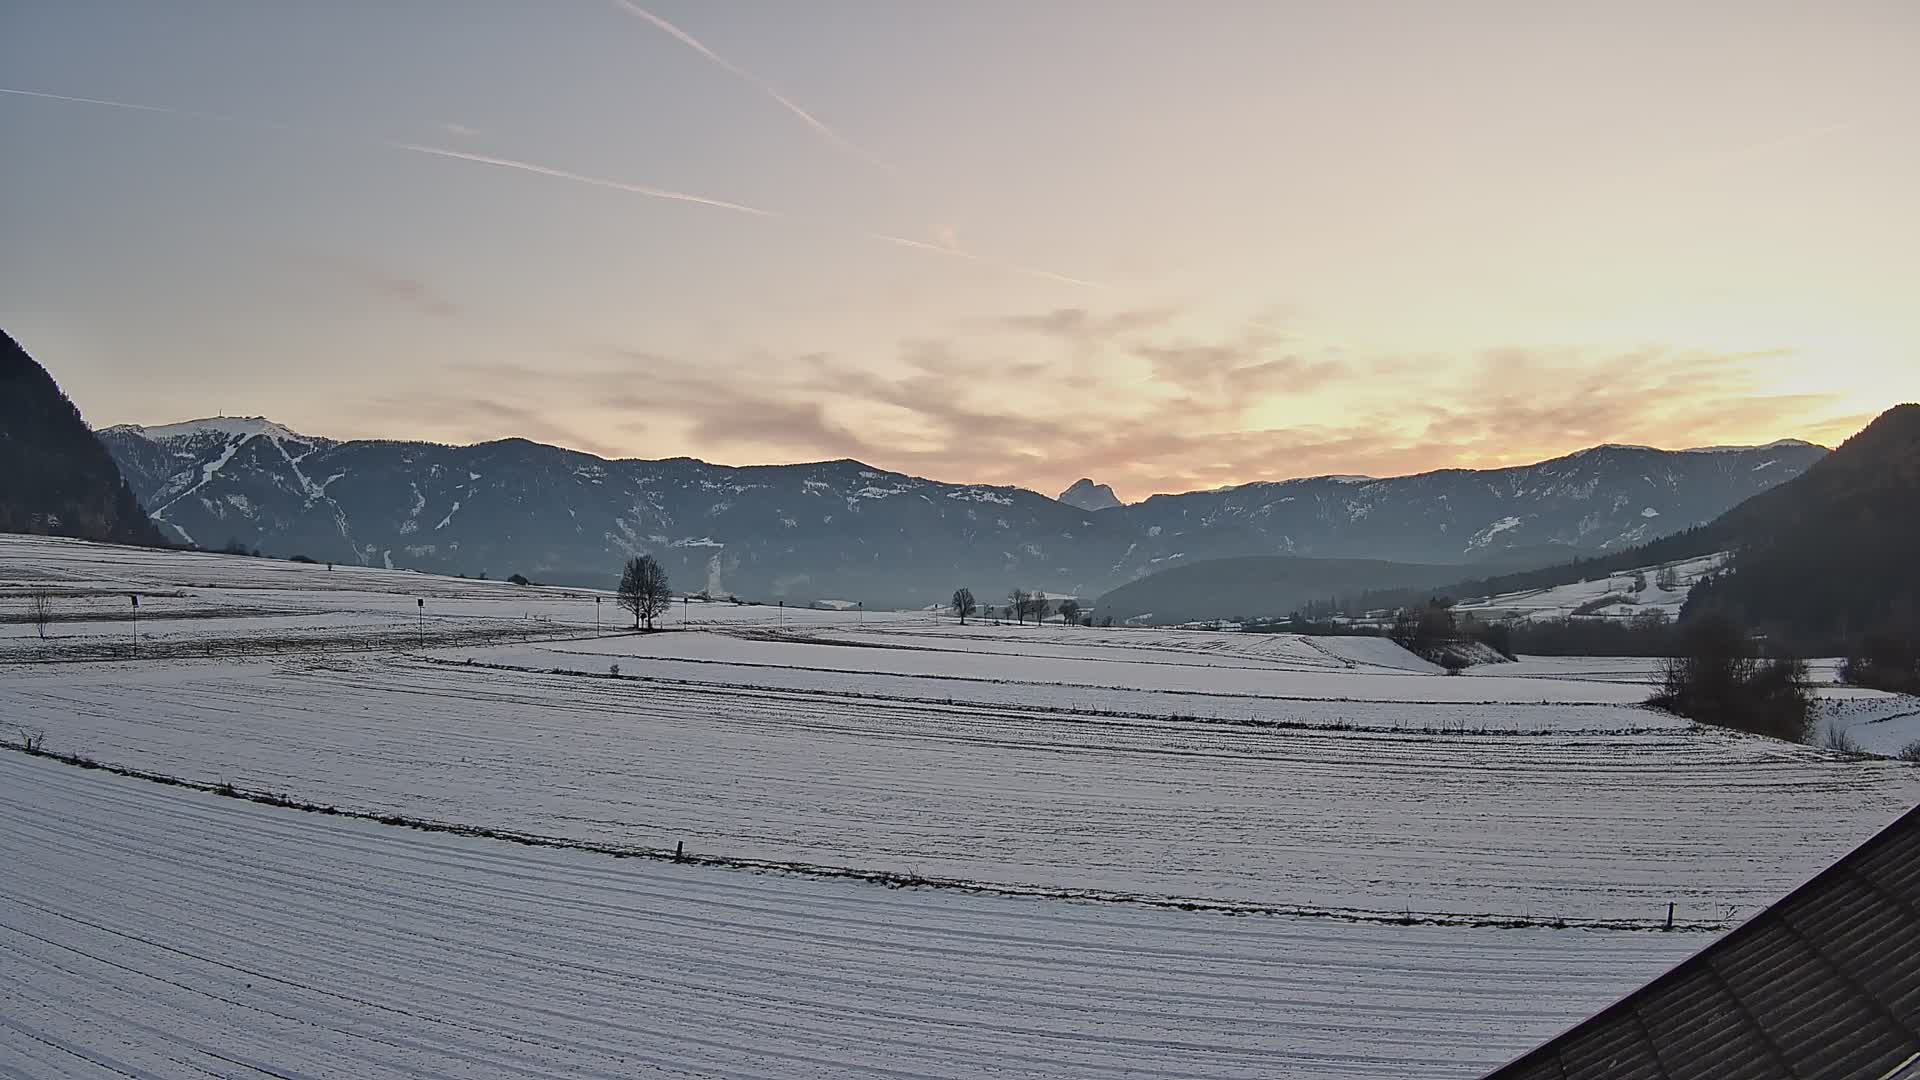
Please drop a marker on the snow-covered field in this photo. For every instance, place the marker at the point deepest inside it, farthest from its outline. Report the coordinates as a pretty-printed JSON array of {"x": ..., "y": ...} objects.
[
  {"x": 1875, "y": 722},
  {"x": 1064, "y": 792},
  {"x": 149, "y": 931}
]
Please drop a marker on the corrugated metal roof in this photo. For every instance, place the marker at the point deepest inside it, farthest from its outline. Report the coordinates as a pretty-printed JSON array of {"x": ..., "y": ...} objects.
[{"x": 1824, "y": 985}]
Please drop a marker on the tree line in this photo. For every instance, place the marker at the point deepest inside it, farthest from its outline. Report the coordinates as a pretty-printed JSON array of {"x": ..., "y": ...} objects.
[{"x": 1021, "y": 606}]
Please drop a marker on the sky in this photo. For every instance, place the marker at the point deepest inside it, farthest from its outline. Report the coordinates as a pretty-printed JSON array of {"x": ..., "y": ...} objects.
[{"x": 1163, "y": 245}]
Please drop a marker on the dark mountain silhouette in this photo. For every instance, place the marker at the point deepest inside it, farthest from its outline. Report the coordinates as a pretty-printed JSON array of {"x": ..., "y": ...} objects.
[
  {"x": 1834, "y": 553},
  {"x": 56, "y": 479}
]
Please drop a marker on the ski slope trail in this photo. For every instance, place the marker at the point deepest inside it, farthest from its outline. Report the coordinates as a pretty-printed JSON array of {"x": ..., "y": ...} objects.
[{"x": 160, "y": 932}]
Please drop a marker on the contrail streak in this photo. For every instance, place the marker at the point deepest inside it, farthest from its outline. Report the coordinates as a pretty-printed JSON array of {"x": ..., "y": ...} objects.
[
  {"x": 538, "y": 169},
  {"x": 582, "y": 178},
  {"x": 983, "y": 260},
  {"x": 92, "y": 101},
  {"x": 748, "y": 77}
]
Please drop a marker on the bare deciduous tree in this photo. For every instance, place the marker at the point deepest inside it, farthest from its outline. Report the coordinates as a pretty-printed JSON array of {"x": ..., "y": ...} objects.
[
  {"x": 40, "y": 612},
  {"x": 963, "y": 604},
  {"x": 644, "y": 590},
  {"x": 1070, "y": 611},
  {"x": 1019, "y": 601},
  {"x": 1041, "y": 607}
]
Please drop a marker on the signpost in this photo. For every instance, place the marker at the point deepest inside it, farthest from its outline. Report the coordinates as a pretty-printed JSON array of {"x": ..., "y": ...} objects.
[
  {"x": 422, "y": 620},
  {"x": 135, "y": 597}
]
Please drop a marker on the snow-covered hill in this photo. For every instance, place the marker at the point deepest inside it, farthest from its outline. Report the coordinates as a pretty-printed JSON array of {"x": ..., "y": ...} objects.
[
  {"x": 1660, "y": 588},
  {"x": 846, "y": 530}
]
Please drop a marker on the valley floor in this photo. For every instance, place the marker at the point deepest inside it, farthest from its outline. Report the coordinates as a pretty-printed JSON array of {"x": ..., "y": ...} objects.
[
  {"x": 152, "y": 931},
  {"x": 1112, "y": 852}
]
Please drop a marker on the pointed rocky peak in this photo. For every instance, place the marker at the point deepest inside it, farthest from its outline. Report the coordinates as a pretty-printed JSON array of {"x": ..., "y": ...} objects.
[{"x": 1087, "y": 495}]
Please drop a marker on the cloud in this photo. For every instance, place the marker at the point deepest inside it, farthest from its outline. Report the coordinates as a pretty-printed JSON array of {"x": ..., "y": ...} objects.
[
  {"x": 1083, "y": 325},
  {"x": 401, "y": 289},
  {"x": 462, "y": 418},
  {"x": 1229, "y": 374},
  {"x": 460, "y": 131},
  {"x": 1161, "y": 416}
]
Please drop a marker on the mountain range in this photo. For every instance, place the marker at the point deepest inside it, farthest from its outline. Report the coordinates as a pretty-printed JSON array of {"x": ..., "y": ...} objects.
[{"x": 845, "y": 530}]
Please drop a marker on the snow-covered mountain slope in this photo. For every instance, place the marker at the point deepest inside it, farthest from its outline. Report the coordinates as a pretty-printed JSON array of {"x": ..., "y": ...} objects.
[
  {"x": 1660, "y": 588},
  {"x": 843, "y": 529},
  {"x": 1598, "y": 500}
]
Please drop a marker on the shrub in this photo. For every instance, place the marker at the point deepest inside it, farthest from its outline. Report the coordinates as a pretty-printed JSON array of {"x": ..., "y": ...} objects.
[
  {"x": 1841, "y": 740},
  {"x": 519, "y": 579},
  {"x": 302, "y": 559},
  {"x": 1910, "y": 752},
  {"x": 1495, "y": 636},
  {"x": 1718, "y": 679},
  {"x": 1884, "y": 661},
  {"x": 1606, "y": 601},
  {"x": 1425, "y": 629}
]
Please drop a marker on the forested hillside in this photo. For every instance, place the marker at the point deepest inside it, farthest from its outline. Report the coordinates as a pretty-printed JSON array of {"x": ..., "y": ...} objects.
[
  {"x": 1833, "y": 555},
  {"x": 56, "y": 479}
]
